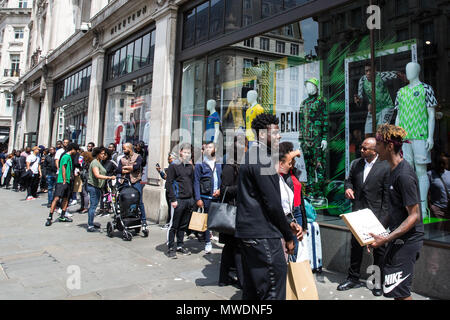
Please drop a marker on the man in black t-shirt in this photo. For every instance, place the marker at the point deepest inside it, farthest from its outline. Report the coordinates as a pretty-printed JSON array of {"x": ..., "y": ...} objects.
[{"x": 405, "y": 218}]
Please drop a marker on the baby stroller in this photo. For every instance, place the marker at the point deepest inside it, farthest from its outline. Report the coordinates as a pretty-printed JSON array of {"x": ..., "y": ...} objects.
[{"x": 125, "y": 201}]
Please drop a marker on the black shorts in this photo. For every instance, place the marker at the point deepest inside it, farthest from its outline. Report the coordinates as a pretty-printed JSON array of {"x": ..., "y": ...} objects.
[
  {"x": 62, "y": 191},
  {"x": 398, "y": 268}
]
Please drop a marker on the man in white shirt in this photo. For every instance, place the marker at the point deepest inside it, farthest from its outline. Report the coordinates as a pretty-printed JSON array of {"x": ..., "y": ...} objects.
[
  {"x": 367, "y": 186},
  {"x": 33, "y": 164}
]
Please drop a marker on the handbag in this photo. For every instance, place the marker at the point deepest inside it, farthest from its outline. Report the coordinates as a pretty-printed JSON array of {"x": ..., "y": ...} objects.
[
  {"x": 199, "y": 221},
  {"x": 29, "y": 172},
  {"x": 300, "y": 282},
  {"x": 222, "y": 217}
]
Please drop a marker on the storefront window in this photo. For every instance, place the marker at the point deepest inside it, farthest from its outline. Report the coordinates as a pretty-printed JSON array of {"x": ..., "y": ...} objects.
[
  {"x": 128, "y": 108},
  {"x": 72, "y": 121},
  {"x": 320, "y": 89}
]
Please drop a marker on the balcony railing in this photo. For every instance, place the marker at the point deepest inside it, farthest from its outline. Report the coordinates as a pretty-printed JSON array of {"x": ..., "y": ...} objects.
[{"x": 12, "y": 73}]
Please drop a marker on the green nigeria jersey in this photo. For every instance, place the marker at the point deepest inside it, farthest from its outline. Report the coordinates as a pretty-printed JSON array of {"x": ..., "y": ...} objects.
[
  {"x": 382, "y": 95},
  {"x": 412, "y": 105}
]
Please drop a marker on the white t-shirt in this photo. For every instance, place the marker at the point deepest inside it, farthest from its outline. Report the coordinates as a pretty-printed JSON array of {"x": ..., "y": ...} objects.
[
  {"x": 287, "y": 197},
  {"x": 34, "y": 166},
  {"x": 58, "y": 156}
]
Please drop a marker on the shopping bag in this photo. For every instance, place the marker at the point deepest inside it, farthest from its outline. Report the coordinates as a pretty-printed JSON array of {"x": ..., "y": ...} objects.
[
  {"x": 300, "y": 284},
  {"x": 78, "y": 184},
  {"x": 199, "y": 221},
  {"x": 222, "y": 217},
  {"x": 302, "y": 250}
]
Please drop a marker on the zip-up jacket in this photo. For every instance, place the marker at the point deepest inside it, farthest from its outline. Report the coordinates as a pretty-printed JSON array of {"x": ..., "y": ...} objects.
[
  {"x": 180, "y": 179},
  {"x": 203, "y": 170}
]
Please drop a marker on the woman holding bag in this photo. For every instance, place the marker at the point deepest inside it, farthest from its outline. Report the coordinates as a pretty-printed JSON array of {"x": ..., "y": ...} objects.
[{"x": 231, "y": 253}]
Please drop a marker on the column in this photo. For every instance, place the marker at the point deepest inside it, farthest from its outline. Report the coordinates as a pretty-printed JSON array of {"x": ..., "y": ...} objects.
[
  {"x": 45, "y": 119},
  {"x": 161, "y": 113},
  {"x": 95, "y": 98}
]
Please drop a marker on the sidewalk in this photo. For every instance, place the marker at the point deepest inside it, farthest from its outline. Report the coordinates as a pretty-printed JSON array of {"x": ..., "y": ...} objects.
[{"x": 38, "y": 262}]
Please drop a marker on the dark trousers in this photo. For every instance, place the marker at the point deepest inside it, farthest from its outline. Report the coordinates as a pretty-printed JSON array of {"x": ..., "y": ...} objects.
[
  {"x": 32, "y": 187},
  {"x": 169, "y": 208},
  {"x": 44, "y": 185},
  {"x": 17, "y": 180},
  {"x": 180, "y": 221},
  {"x": 231, "y": 257},
  {"x": 265, "y": 269},
  {"x": 356, "y": 256},
  {"x": 7, "y": 179}
]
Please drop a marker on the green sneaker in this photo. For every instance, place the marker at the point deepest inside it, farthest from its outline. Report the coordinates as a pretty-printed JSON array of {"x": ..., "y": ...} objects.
[{"x": 64, "y": 219}]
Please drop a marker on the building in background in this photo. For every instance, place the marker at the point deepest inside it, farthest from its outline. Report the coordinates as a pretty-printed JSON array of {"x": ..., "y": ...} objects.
[{"x": 14, "y": 34}]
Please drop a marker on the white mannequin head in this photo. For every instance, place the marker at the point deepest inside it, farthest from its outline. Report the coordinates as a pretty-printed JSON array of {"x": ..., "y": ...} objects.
[
  {"x": 311, "y": 89},
  {"x": 118, "y": 118},
  {"x": 412, "y": 71},
  {"x": 147, "y": 116},
  {"x": 252, "y": 97},
  {"x": 211, "y": 106}
]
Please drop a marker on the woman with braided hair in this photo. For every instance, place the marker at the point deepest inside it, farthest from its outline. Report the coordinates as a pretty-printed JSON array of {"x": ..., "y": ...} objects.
[{"x": 405, "y": 217}]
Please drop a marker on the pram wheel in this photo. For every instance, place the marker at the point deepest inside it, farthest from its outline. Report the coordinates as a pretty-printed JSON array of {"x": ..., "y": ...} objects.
[
  {"x": 127, "y": 236},
  {"x": 145, "y": 232},
  {"x": 109, "y": 229}
]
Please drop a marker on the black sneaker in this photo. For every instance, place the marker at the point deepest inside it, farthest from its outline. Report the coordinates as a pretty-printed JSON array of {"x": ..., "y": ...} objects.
[
  {"x": 64, "y": 219},
  {"x": 172, "y": 253},
  {"x": 184, "y": 251},
  {"x": 48, "y": 223},
  {"x": 91, "y": 229}
]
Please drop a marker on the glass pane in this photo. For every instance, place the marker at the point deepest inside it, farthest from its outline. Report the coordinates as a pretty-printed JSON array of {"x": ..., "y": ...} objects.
[
  {"x": 201, "y": 27},
  {"x": 116, "y": 67},
  {"x": 233, "y": 15},
  {"x": 152, "y": 47},
  {"x": 189, "y": 29},
  {"x": 130, "y": 53},
  {"x": 145, "y": 50},
  {"x": 271, "y": 7},
  {"x": 251, "y": 12},
  {"x": 293, "y": 3},
  {"x": 137, "y": 54},
  {"x": 123, "y": 60},
  {"x": 216, "y": 18}
]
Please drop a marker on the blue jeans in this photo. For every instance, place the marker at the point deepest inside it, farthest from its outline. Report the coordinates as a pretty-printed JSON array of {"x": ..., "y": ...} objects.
[
  {"x": 298, "y": 217},
  {"x": 94, "y": 198},
  {"x": 51, "y": 183},
  {"x": 140, "y": 188}
]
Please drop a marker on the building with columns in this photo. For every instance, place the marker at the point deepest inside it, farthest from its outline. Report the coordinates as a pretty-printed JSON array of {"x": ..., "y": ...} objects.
[{"x": 14, "y": 34}]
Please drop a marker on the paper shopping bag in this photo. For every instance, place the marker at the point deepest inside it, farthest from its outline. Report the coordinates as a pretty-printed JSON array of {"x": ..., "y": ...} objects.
[
  {"x": 199, "y": 221},
  {"x": 300, "y": 284},
  {"x": 78, "y": 184}
]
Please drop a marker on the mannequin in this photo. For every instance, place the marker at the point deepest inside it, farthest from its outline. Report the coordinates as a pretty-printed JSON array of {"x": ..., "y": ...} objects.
[
  {"x": 313, "y": 131},
  {"x": 416, "y": 114},
  {"x": 235, "y": 108},
  {"x": 212, "y": 122},
  {"x": 252, "y": 112},
  {"x": 119, "y": 133},
  {"x": 146, "y": 135}
]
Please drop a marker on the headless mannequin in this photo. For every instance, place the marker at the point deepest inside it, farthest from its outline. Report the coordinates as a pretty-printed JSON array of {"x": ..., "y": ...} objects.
[
  {"x": 146, "y": 136},
  {"x": 211, "y": 107},
  {"x": 252, "y": 112},
  {"x": 413, "y": 73},
  {"x": 119, "y": 133},
  {"x": 235, "y": 108}
]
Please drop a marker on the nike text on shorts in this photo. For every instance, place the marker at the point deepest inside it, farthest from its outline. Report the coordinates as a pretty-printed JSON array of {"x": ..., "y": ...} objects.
[{"x": 398, "y": 270}]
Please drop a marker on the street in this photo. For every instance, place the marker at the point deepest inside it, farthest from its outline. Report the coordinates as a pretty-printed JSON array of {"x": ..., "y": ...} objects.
[{"x": 66, "y": 262}]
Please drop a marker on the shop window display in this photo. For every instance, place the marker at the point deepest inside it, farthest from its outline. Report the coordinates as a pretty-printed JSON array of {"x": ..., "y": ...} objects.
[
  {"x": 73, "y": 121},
  {"x": 320, "y": 88}
]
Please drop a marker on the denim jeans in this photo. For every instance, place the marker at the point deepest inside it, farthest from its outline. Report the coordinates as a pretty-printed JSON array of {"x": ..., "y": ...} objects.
[
  {"x": 298, "y": 217},
  {"x": 94, "y": 198},
  {"x": 140, "y": 188},
  {"x": 51, "y": 183}
]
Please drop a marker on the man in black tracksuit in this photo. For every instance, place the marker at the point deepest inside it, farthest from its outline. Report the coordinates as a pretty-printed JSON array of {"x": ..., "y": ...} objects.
[
  {"x": 179, "y": 186},
  {"x": 260, "y": 219}
]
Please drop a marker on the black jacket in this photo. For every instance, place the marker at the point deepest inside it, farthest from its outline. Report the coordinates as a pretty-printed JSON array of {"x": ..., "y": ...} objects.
[
  {"x": 373, "y": 194},
  {"x": 19, "y": 164},
  {"x": 180, "y": 181},
  {"x": 49, "y": 165},
  {"x": 259, "y": 211},
  {"x": 230, "y": 179}
]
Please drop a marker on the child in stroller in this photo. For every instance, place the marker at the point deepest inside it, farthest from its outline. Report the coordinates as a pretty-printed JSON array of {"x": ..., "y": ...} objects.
[{"x": 124, "y": 200}]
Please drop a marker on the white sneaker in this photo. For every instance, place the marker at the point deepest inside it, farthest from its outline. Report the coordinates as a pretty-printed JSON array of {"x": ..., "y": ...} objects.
[
  {"x": 208, "y": 248},
  {"x": 72, "y": 203},
  {"x": 215, "y": 238},
  {"x": 68, "y": 214},
  {"x": 59, "y": 210}
]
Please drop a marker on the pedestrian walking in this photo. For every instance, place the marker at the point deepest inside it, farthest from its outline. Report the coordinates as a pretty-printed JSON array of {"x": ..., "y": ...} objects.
[
  {"x": 179, "y": 183},
  {"x": 207, "y": 181},
  {"x": 367, "y": 187},
  {"x": 405, "y": 240},
  {"x": 63, "y": 189},
  {"x": 260, "y": 218}
]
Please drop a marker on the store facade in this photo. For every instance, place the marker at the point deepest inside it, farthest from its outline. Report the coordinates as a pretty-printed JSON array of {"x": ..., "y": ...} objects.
[{"x": 308, "y": 62}]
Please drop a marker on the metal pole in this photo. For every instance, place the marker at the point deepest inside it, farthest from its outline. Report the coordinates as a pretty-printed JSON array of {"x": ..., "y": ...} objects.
[{"x": 373, "y": 76}]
